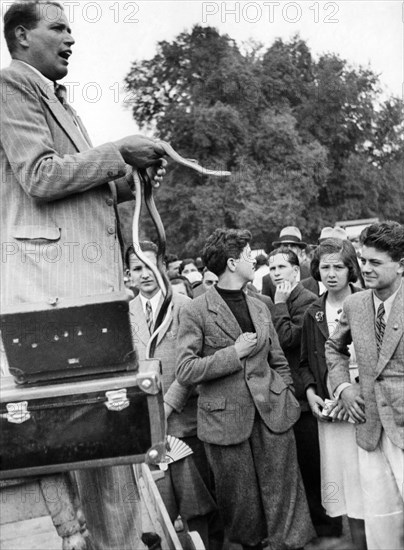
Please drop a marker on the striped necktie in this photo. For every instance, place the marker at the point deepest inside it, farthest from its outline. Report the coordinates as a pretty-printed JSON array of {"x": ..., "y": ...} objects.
[
  {"x": 149, "y": 316},
  {"x": 61, "y": 94},
  {"x": 380, "y": 326}
]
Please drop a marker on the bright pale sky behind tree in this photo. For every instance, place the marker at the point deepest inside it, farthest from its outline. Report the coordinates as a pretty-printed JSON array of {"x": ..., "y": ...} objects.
[{"x": 111, "y": 34}]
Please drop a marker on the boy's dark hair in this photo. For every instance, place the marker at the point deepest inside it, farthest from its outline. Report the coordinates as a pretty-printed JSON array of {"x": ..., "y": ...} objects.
[
  {"x": 26, "y": 14},
  {"x": 336, "y": 246},
  {"x": 290, "y": 256},
  {"x": 222, "y": 245},
  {"x": 260, "y": 260},
  {"x": 145, "y": 246},
  {"x": 385, "y": 236}
]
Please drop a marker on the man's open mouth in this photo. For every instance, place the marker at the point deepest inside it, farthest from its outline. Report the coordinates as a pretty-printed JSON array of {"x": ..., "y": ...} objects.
[{"x": 66, "y": 54}]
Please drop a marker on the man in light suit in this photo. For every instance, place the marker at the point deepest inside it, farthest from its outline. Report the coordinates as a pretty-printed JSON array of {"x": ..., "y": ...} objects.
[
  {"x": 227, "y": 345},
  {"x": 58, "y": 196},
  {"x": 183, "y": 488},
  {"x": 374, "y": 321}
]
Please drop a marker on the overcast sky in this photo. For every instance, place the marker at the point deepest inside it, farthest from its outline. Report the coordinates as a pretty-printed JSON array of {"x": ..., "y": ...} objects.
[{"x": 111, "y": 34}]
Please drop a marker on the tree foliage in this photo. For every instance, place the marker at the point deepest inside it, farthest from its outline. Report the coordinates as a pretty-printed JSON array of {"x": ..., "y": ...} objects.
[{"x": 308, "y": 141}]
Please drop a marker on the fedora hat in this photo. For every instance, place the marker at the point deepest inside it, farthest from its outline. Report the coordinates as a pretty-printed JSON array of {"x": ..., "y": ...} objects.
[
  {"x": 290, "y": 235},
  {"x": 333, "y": 233}
]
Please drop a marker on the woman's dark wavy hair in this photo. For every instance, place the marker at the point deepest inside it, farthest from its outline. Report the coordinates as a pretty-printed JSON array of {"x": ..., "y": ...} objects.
[
  {"x": 385, "y": 236},
  {"x": 336, "y": 246},
  {"x": 222, "y": 245},
  {"x": 186, "y": 262}
]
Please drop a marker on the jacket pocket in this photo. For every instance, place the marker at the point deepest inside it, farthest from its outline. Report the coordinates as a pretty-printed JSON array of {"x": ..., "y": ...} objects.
[
  {"x": 278, "y": 385},
  {"x": 210, "y": 405},
  {"x": 36, "y": 232}
]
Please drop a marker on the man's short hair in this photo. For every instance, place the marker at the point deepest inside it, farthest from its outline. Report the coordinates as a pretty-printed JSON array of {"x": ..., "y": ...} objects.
[
  {"x": 385, "y": 236},
  {"x": 290, "y": 256},
  {"x": 145, "y": 246},
  {"x": 336, "y": 246},
  {"x": 171, "y": 258},
  {"x": 26, "y": 14},
  {"x": 222, "y": 245}
]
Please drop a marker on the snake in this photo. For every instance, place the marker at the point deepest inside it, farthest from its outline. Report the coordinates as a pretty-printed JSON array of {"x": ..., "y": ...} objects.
[
  {"x": 190, "y": 163},
  {"x": 140, "y": 176}
]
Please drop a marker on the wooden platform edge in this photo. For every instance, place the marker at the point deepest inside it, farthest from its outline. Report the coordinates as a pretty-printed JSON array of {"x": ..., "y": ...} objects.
[{"x": 155, "y": 506}]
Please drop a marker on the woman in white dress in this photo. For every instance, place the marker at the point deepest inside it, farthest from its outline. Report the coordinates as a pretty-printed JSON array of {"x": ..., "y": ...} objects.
[{"x": 335, "y": 265}]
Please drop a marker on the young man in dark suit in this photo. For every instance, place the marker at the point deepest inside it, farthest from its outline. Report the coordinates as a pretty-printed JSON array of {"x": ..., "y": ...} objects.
[{"x": 227, "y": 345}]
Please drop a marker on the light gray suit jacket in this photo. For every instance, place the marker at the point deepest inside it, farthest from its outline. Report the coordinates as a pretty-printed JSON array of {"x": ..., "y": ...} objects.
[
  {"x": 232, "y": 391},
  {"x": 182, "y": 421},
  {"x": 381, "y": 378},
  {"x": 57, "y": 207}
]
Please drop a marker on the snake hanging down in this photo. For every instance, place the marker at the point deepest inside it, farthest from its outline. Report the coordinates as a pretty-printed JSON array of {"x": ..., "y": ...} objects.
[{"x": 139, "y": 177}]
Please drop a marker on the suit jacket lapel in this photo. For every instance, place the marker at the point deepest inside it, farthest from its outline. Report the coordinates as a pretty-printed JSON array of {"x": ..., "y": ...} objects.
[
  {"x": 224, "y": 317},
  {"x": 82, "y": 128},
  {"x": 139, "y": 320},
  {"x": 366, "y": 318},
  {"x": 66, "y": 122},
  {"x": 259, "y": 321},
  {"x": 394, "y": 331},
  {"x": 317, "y": 310},
  {"x": 58, "y": 111},
  {"x": 168, "y": 326}
]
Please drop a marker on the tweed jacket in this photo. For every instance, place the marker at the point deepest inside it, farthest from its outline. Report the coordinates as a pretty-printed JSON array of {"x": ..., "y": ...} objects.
[
  {"x": 232, "y": 391},
  {"x": 182, "y": 421},
  {"x": 57, "y": 205},
  {"x": 313, "y": 368},
  {"x": 381, "y": 377},
  {"x": 288, "y": 322}
]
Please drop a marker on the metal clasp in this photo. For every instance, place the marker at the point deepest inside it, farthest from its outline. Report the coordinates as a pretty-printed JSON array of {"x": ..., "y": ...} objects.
[
  {"x": 149, "y": 382},
  {"x": 116, "y": 400},
  {"x": 17, "y": 413}
]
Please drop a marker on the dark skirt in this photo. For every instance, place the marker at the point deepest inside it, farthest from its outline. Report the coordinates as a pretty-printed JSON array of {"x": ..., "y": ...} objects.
[{"x": 259, "y": 490}]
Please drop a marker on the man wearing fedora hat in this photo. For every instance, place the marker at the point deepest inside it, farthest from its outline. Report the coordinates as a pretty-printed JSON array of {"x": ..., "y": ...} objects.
[
  {"x": 291, "y": 237},
  {"x": 332, "y": 233}
]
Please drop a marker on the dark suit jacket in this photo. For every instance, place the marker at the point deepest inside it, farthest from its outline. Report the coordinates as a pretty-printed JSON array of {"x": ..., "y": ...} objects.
[
  {"x": 313, "y": 367},
  {"x": 57, "y": 205},
  {"x": 288, "y": 322},
  {"x": 311, "y": 284},
  {"x": 381, "y": 377},
  {"x": 231, "y": 390}
]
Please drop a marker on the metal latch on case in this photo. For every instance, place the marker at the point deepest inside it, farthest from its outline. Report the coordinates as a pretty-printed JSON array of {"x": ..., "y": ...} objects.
[
  {"x": 17, "y": 413},
  {"x": 116, "y": 400},
  {"x": 149, "y": 382}
]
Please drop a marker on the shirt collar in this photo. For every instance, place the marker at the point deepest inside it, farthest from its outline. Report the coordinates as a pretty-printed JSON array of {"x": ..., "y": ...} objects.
[
  {"x": 154, "y": 302},
  {"x": 44, "y": 78},
  {"x": 388, "y": 304}
]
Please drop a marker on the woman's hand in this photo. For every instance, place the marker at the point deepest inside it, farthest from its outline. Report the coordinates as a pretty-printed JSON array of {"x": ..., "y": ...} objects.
[{"x": 316, "y": 404}]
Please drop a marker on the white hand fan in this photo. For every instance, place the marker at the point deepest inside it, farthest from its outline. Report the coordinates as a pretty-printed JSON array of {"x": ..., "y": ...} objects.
[{"x": 176, "y": 450}]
